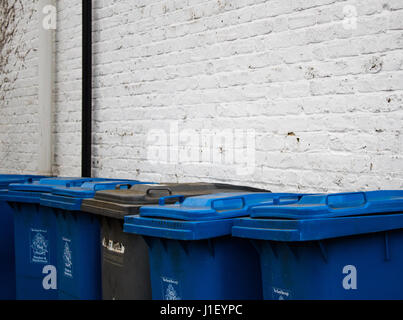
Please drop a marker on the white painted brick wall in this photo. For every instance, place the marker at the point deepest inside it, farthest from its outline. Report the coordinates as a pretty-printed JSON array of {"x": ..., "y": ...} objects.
[
  {"x": 67, "y": 127},
  {"x": 325, "y": 101},
  {"x": 19, "y": 131}
]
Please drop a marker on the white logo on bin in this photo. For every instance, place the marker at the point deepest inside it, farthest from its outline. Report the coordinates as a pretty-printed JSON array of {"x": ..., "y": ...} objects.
[
  {"x": 39, "y": 246},
  {"x": 170, "y": 289},
  {"x": 350, "y": 280},
  {"x": 67, "y": 259},
  {"x": 280, "y": 294},
  {"x": 171, "y": 293},
  {"x": 113, "y": 246}
]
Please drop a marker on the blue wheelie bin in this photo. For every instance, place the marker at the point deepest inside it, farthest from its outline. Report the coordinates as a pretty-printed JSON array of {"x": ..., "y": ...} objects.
[
  {"x": 7, "y": 257},
  {"x": 35, "y": 237},
  {"x": 125, "y": 259},
  {"x": 192, "y": 254},
  {"x": 336, "y": 246},
  {"x": 78, "y": 242}
]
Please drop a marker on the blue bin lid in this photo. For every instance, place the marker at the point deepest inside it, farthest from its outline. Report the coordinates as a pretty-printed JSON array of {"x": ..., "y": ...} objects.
[
  {"x": 7, "y": 179},
  {"x": 30, "y": 189},
  {"x": 48, "y": 184},
  {"x": 334, "y": 205},
  {"x": 88, "y": 189},
  {"x": 70, "y": 196},
  {"x": 214, "y": 206},
  {"x": 201, "y": 217},
  {"x": 19, "y": 196},
  {"x": 318, "y": 217}
]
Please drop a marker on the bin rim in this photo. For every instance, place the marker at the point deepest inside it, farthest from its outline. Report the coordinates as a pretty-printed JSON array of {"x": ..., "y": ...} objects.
[
  {"x": 47, "y": 184},
  {"x": 214, "y": 206},
  {"x": 142, "y": 193},
  {"x": 283, "y": 230},
  {"x": 334, "y": 205},
  {"x": 121, "y": 203},
  {"x": 71, "y": 197},
  {"x": 177, "y": 229},
  {"x": 7, "y": 179},
  {"x": 89, "y": 188}
]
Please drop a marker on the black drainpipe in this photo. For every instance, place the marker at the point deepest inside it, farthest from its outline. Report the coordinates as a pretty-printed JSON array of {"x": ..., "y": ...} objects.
[{"x": 86, "y": 152}]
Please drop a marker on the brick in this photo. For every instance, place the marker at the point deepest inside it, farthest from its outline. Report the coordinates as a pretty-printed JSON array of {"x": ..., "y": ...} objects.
[{"x": 324, "y": 101}]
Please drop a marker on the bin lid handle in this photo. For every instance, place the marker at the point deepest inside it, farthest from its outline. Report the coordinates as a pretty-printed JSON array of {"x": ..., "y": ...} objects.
[
  {"x": 159, "y": 189},
  {"x": 119, "y": 186},
  {"x": 346, "y": 200},
  {"x": 229, "y": 204},
  {"x": 162, "y": 200},
  {"x": 277, "y": 199}
]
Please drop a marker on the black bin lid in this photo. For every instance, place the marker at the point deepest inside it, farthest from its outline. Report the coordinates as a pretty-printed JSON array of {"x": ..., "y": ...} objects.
[{"x": 120, "y": 203}]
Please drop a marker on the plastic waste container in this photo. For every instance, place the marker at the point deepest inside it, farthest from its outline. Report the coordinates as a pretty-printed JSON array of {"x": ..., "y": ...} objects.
[
  {"x": 7, "y": 256},
  {"x": 35, "y": 237},
  {"x": 192, "y": 253},
  {"x": 78, "y": 257},
  {"x": 336, "y": 246},
  {"x": 125, "y": 260}
]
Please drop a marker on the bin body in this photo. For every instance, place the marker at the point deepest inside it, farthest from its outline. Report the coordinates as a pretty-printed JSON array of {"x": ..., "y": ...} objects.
[
  {"x": 78, "y": 256},
  {"x": 125, "y": 263},
  {"x": 192, "y": 253},
  {"x": 125, "y": 257},
  {"x": 214, "y": 269},
  {"x": 359, "y": 267},
  {"x": 330, "y": 247},
  {"x": 7, "y": 266},
  {"x": 7, "y": 249},
  {"x": 78, "y": 239},
  {"x": 35, "y": 231},
  {"x": 35, "y": 252}
]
